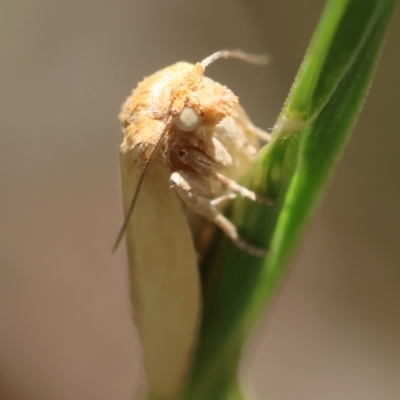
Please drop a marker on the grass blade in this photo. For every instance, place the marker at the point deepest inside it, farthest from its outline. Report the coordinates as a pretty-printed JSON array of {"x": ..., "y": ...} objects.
[{"x": 309, "y": 136}]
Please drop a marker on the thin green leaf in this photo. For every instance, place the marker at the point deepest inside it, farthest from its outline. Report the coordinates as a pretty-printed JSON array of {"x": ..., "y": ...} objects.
[{"x": 309, "y": 137}]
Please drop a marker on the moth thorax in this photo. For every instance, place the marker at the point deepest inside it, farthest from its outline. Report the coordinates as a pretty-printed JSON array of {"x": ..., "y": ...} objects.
[{"x": 188, "y": 120}]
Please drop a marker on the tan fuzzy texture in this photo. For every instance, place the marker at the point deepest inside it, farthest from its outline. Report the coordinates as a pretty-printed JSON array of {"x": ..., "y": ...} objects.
[
  {"x": 144, "y": 113},
  {"x": 165, "y": 286},
  {"x": 213, "y": 103}
]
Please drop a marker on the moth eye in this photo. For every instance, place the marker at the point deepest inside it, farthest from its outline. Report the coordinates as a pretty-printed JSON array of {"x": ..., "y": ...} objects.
[{"x": 188, "y": 120}]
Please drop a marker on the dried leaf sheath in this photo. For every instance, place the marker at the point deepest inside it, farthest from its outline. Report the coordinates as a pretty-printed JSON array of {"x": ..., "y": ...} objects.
[{"x": 163, "y": 273}]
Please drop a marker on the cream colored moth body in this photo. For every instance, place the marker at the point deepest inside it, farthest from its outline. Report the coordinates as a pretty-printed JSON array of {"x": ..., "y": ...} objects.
[{"x": 187, "y": 142}]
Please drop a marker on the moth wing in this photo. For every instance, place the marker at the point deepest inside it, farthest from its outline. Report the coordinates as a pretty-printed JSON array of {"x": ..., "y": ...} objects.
[{"x": 164, "y": 281}]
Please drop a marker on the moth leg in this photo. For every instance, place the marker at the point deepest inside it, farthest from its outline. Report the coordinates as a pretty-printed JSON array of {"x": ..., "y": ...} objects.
[
  {"x": 241, "y": 115},
  {"x": 205, "y": 166},
  {"x": 222, "y": 200},
  {"x": 241, "y": 190},
  {"x": 260, "y": 133},
  {"x": 196, "y": 159},
  {"x": 193, "y": 191},
  {"x": 230, "y": 230}
]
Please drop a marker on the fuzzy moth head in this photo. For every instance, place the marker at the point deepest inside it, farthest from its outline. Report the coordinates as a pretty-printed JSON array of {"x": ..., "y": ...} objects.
[{"x": 199, "y": 100}]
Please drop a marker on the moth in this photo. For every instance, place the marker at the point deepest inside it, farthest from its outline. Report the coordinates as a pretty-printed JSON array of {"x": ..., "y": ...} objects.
[
  {"x": 187, "y": 142},
  {"x": 204, "y": 136}
]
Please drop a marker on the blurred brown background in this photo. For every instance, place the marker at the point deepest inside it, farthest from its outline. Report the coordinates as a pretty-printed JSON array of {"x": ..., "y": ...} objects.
[{"x": 65, "y": 328}]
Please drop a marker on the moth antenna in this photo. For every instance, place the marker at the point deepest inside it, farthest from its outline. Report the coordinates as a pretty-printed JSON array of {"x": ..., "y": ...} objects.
[
  {"x": 141, "y": 179},
  {"x": 259, "y": 59}
]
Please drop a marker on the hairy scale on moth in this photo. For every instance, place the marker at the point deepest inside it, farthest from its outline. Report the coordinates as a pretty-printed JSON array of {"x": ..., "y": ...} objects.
[
  {"x": 187, "y": 141},
  {"x": 206, "y": 140}
]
